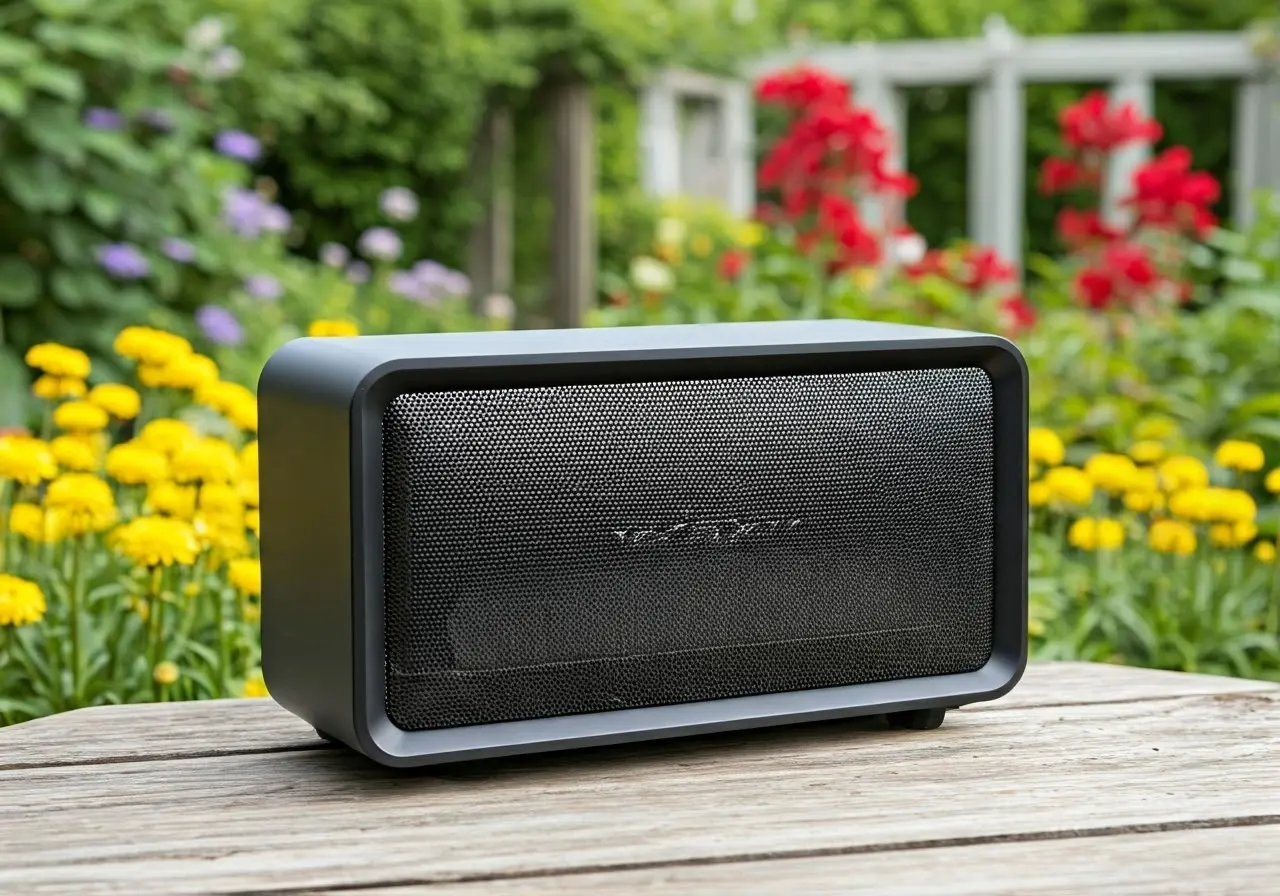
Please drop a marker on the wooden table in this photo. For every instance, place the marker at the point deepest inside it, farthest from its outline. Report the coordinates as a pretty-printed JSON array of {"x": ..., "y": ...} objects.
[{"x": 1086, "y": 779}]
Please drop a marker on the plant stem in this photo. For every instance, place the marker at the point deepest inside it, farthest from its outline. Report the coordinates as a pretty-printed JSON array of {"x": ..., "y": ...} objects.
[
  {"x": 153, "y": 640},
  {"x": 218, "y": 611},
  {"x": 73, "y": 614}
]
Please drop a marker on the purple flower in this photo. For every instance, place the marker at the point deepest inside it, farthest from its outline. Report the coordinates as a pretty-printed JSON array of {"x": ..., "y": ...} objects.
[
  {"x": 156, "y": 119},
  {"x": 431, "y": 272},
  {"x": 399, "y": 204},
  {"x": 238, "y": 145},
  {"x": 263, "y": 287},
  {"x": 219, "y": 325},
  {"x": 123, "y": 261},
  {"x": 275, "y": 219},
  {"x": 358, "y": 272},
  {"x": 380, "y": 243},
  {"x": 103, "y": 119},
  {"x": 178, "y": 250},
  {"x": 404, "y": 283},
  {"x": 244, "y": 211},
  {"x": 428, "y": 282},
  {"x": 457, "y": 284},
  {"x": 334, "y": 255}
]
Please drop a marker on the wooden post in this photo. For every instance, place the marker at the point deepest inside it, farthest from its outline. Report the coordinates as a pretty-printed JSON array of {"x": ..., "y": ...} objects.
[
  {"x": 573, "y": 182},
  {"x": 490, "y": 248},
  {"x": 1008, "y": 147}
]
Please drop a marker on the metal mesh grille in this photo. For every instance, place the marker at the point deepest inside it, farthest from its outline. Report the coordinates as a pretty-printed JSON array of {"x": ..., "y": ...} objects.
[{"x": 572, "y": 549}]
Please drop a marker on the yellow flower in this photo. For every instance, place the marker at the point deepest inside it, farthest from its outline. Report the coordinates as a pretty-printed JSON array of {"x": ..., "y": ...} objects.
[
  {"x": 165, "y": 672},
  {"x": 1265, "y": 551},
  {"x": 28, "y": 521},
  {"x": 153, "y": 541},
  {"x": 225, "y": 537},
  {"x": 1272, "y": 482},
  {"x": 117, "y": 399},
  {"x": 1232, "y": 535},
  {"x": 82, "y": 503},
  {"x": 233, "y": 401},
  {"x": 249, "y": 460},
  {"x": 245, "y": 574},
  {"x": 1214, "y": 505},
  {"x": 251, "y": 612},
  {"x": 332, "y": 328},
  {"x": 1113, "y": 473},
  {"x": 53, "y": 388},
  {"x": 1038, "y": 494},
  {"x": 1237, "y": 455},
  {"x": 1089, "y": 534},
  {"x": 205, "y": 460},
  {"x": 166, "y": 435},
  {"x": 1069, "y": 485},
  {"x": 254, "y": 686},
  {"x": 221, "y": 500},
  {"x": 701, "y": 245},
  {"x": 1146, "y": 452},
  {"x": 249, "y": 492},
  {"x": 80, "y": 416},
  {"x": 58, "y": 360},
  {"x": 671, "y": 232},
  {"x": 1183, "y": 471},
  {"x": 172, "y": 499},
  {"x": 133, "y": 463},
  {"x": 21, "y": 602},
  {"x": 1142, "y": 501},
  {"x": 26, "y": 460},
  {"x": 150, "y": 346},
  {"x": 75, "y": 453},
  {"x": 253, "y": 521},
  {"x": 1155, "y": 429},
  {"x": 865, "y": 278},
  {"x": 1172, "y": 537},
  {"x": 1045, "y": 447},
  {"x": 1035, "y": 627},
  {"x": 189, "y": 371},
  {"x": 750, "y": 234}
]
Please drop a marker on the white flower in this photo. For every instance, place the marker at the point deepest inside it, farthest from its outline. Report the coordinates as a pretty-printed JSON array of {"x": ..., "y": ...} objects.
[
  {"x": 907, "y": 248},
  {"x": 399, "y": 204},
  {"x": 651, "y": 275},
  {"x": 499, "y": 307},
  {"x": 206, "y": 34},
  {"x": 224, "y": 63},
  {"x": 671, "y": 232}
]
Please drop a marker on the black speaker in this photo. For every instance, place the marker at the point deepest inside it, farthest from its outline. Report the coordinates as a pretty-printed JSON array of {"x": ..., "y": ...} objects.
[{"x": 478, "y": 544}]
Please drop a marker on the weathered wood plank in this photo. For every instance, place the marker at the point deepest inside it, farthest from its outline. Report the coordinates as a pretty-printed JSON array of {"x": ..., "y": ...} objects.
[
  {"x": 324, "y": 818},
  {"x": 177, "y": 730},
  {"x": 1223, "y": 860}
]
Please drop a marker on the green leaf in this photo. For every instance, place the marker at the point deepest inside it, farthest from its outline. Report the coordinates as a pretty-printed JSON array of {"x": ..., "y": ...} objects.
[
  {"x": 39, "y": 185},
  {"x": 1242, "y": 270},
  {"x": 55, "y": 129},
  {"x": 73, "y": 241},
  {"x": 77, "y": 287},
  {"x": 56, "y": 80},
  {"x": 97, "y": 43},
  {"x": 16, "y": 52},
  {"x": 103, "y": 208},
  {"x": 121, "y": 149},
  {"x": 19, "y": 283},
  {"x": 13, "y": 99},
  {"x": 13, "y": 394}
]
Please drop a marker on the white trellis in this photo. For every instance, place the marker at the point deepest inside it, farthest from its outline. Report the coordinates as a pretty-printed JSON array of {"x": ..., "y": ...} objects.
[{"x": 996, "y": 67}]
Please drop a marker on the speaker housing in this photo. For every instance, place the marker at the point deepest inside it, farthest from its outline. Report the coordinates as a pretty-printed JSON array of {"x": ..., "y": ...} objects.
[{"x": 323, "y": 406}]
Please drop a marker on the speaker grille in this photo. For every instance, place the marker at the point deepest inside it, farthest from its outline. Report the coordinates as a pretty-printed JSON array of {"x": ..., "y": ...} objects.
[{"x": 575, "y": 549}]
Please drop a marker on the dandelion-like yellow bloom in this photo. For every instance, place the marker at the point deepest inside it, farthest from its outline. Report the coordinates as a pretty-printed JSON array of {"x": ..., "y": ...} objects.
[
  {"x": 249, "y": 492},
  {"x": 254, "y": 686},
  {"x": 244, "y": 415},
  {"x": 249, "y": 460},
  {"x": 153, "y": 541},
  {"x": 166, "y": 435},
  {"x": 80, "y": 416},
  {"x": 1214, "y": 505},
  {"x": 172, "y": 499},
  {"x": 1172, "y": 537},
  {"x": 701, "y": 245},
  {"x": 233, "y": 401},
  {"x": 1090, "y": 534},
  {"x": 1143, "y": 501},
  {"x": 332, "y": 328},
  {"x": 223, "y": 536},
  {"x": 27, "y": 520},
  {"x": 1114, "y": 473},
  {"x": 1039, "y": 494},
  {"x": 55, "y": 388},
  {"x": 1069, "y": 485},
  {"x": 190, "y": 371},
  {"x": 1272, "y": 482},
  {"x": 1183, "y": 471},
  {"x": 205, "y": 460},
  {"x": 76, "y": 453},
  {"x": 1045, "y": 447},
  {"x": 220, "y": 499},
  {"x": 148, "y": 345},
  {"x": 245, "y": 574},
  {"x": 1265, "y": 551},
  {"x": 1155, "y": 429},
  {"x": 1235, "y": 454},
  {"x": 133, "y": 463},
  {"x": 253, "y": 521},
  {"x": 58, "y": 360},
  {"x": 120, "y": 401},
  {"x": 82, "y": 502},
  {"x": 26, "y": 460},
  {"x": 1232, "y": 535},
  {"x": 21, "y": 602},
  {"x": 749, "y": 234},
  {"x": 1147, "y": 452},
  {"x": 165, "y": 672}
]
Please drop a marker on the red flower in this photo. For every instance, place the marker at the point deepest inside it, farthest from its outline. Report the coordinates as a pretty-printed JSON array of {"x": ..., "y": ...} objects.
[
  {"x": 1083, "y": 228},
  {"x": 1168, "y": 194},
  {"x": 800, "y": 88},
  {"x": 732, "y": 263},
  {"x": 1094, "y": 124},
  {"x": 1017, "y": 314},
  {"x": 934, "y": 264},
  {"x": 1058, "y": 175},
  {"x": 982, "y": 267},
  {"x": 1123, "y": 274}
]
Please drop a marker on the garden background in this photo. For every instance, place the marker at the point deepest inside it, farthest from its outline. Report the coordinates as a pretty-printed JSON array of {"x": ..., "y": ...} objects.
[{"x": 186, "y": 184}]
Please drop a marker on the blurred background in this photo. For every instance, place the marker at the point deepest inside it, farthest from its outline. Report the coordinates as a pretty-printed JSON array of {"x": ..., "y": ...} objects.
[{"x": 187, "y": 184}]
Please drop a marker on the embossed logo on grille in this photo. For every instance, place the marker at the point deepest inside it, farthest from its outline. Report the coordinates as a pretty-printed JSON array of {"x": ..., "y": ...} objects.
[{"x": 722, "y": 532}]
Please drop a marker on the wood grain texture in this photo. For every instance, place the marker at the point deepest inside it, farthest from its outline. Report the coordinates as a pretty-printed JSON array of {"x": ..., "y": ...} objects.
[
  {"x": 221, "y": 727},
  {"x": 324, "y": 819},
  {"x": 1241, "y": 860}
]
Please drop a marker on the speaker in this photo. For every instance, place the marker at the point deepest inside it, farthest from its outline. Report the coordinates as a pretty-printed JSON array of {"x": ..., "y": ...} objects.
[{"x": 477, "y": 544}]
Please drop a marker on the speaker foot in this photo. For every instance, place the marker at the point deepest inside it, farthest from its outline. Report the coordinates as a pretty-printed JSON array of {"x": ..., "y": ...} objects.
[
  {"x": 917, "y": 719},
  {"x": 326, "y": 736}
]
